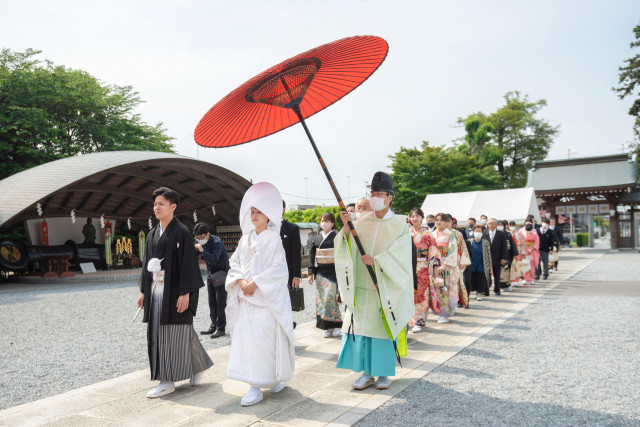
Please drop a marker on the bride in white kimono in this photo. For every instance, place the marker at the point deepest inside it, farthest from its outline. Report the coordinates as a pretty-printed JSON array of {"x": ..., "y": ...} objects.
[{"x": 258, "y": 310}]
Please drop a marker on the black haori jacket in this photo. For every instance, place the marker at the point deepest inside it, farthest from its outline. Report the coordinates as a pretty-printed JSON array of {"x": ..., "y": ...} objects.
[
  {"x": 328, "y": 270},
  {"x": 177, "y": 250}
]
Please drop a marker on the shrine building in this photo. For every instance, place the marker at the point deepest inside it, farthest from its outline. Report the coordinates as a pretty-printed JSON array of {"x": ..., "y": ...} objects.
[{"x": 589, "y": 190}]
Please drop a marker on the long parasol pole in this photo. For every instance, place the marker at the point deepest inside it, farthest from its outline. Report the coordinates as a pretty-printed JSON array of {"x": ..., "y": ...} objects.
[{"x": 296, "y": 109}]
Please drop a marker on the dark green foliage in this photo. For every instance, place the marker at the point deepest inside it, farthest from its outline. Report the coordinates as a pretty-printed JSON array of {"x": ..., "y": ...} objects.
[
  {"x": 629, "y": 78},
  {"x": 510, "y": 139},
  {"x": 433, "y": 170},
  {"x": 314, "y": 215},
  {"x": 17, "y": 234},
  {"x": 582, "y": 239},
  {"x": 48, "y": 112}
]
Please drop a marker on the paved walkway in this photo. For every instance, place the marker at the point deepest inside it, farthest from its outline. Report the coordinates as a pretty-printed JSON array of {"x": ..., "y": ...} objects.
[
  {"x": 569, "y": 359},
  {"x": 318, "y": 394}
]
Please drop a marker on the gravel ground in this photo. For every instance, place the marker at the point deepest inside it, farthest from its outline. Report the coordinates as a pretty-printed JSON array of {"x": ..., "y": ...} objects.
[
  {"x": 571, "y": 358},
  {"x": 56, "y": 338}
]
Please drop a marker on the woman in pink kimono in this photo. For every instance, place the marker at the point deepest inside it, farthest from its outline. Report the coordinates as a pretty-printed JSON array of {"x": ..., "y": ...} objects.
[
  {"x": 422, "y": 240},
  {"x": 446, "y": 276},
  {"x": 530, "y": 244}
]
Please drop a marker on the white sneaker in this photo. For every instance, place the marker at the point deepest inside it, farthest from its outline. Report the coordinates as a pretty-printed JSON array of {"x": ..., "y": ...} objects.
[
  {"x": 416, "y": 329},
  {"x": 443, "y": 319},
  {"x": 363, "y": 382},
  {"x": 510, "y": 289},
  {"x": 164, "y": 388},
  {"x": 278, "y": 388},
  {"x": 533, "y": 282},
  {"x": 383, "y": 383},
  {"x": 253, "y": 396},
  {"x": 516, "y": 283},
  {"x": 478, "y": 296},
  {"x": 195, "y": 380},
  {"x": 336, "y": 332},
  {"x": 327, "y": 333}
]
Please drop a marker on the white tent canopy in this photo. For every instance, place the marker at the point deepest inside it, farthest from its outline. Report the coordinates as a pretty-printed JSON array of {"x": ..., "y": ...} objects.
[{"x": 512, "y": 205}]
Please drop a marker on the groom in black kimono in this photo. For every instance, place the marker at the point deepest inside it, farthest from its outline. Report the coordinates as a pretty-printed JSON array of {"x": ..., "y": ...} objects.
[{"x": 169, "y": 296}]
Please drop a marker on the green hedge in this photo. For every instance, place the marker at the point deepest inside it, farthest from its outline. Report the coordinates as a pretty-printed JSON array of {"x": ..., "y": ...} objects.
[
  {"x": 314, "y": 215},
  {"x": 582, "y": 239}
]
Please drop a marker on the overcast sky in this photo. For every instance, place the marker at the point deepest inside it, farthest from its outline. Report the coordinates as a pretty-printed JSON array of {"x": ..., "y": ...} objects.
[{"x": 446, "y": 59}]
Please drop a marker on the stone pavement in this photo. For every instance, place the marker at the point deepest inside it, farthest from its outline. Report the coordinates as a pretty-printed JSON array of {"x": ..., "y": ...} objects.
[
  {"x": 318, "y": 394},
  {"x": 569, "y": 359}
]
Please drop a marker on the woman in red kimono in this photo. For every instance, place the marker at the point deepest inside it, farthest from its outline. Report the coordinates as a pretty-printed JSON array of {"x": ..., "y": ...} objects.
[{"x": 422, "y": 240}]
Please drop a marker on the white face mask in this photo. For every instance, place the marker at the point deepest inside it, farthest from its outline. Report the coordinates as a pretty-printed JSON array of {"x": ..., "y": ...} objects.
[
  {"x": 544, "y": 226},
  {"x": 377, "y": 204},
  {"x": 512, "y": 228},
  {"x": 483, "y": 221},
  {"x": 354, "y": 215},
  {"x": 326, "y": 226},
  {"x": 203, "y": 242},
  {"x": 500, "y": 227},
  {"x": 477, "y": 235}
]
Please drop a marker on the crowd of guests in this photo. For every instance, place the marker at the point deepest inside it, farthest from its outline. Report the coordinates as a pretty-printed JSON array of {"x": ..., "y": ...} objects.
[
  {"x": 455, "y": 262},
  {"x": 385, "y": 283}
]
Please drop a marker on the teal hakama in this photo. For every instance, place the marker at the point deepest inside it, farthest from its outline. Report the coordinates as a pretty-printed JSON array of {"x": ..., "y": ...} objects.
[{"x": 374, "y": 356}]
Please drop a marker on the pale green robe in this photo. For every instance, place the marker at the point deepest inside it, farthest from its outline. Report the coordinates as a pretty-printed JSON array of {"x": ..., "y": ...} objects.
[{"x": 388, "y": 241}]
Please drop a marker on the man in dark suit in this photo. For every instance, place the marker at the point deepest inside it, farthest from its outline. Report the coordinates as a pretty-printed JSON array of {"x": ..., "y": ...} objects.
[
  {"x": 471, "y": 225},
  {"x": 290, "y": 235},
  {"x": 547, "y": 238},
  {"x": 499, "y": 254}
]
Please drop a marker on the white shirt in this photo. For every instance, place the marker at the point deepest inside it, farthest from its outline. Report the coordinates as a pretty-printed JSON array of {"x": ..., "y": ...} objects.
[{"x": 492, "y": 234}]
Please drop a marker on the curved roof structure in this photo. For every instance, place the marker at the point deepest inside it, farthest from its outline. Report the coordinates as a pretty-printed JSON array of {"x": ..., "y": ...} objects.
[{"x": 119, "y": 184}]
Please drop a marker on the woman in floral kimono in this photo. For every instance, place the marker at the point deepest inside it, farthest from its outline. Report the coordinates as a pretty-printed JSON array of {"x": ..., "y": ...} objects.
[
  {"x": 529, "y": 250},
  {"x": 463, "y": 262},
  {"x": 422, "y": 240},
  {"x": 322, "y": 269},
  {"x": 446, "y": 276},
  {"x": 517, "y": 238}
]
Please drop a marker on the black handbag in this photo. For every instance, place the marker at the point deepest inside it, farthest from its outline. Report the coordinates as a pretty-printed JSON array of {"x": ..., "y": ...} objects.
[
  {"x": 297, "y": 299},
  {"x": 218, "y": 278}
]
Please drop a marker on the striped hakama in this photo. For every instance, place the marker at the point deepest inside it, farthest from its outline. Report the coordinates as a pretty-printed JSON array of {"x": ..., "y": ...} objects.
[{"x": 175, "y": 352}]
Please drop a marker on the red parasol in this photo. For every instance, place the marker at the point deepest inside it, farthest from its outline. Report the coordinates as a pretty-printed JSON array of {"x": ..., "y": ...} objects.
[
  {"x": 289, "y": 92},
  {"x": 310, "y": 81}
]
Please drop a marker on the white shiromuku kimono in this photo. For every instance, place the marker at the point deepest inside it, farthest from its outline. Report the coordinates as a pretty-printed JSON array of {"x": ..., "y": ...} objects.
[{"x": 261, "y": 325}]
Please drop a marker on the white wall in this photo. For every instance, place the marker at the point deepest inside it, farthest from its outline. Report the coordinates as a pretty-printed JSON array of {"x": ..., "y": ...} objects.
[{"x": 62, "y": 229}]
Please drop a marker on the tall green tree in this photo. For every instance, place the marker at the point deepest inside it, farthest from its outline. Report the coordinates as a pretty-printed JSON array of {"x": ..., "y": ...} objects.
[
  {"x": 477, "y": 138},
  {"x": 629, "y": 86},
  {"x": 629, "y": 79},
  {"x": 521, "y": 136},
  {"x": 418, "y": 172},
  {"x": 478, "y": 131},
  {"x": 515, "y": 137},
  {"x": 49, "y": 112}
]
